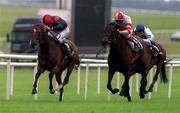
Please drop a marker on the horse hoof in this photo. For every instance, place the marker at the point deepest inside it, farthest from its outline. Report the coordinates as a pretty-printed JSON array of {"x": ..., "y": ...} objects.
[
  {"x": 150, "y": 90},
  {"x": 34, "y": 91},
  {"x": 145, "y": 91},
  {"x": 142, "y": 96},
  {"x": 52, "y": 91},
  {"x": 60, "y": 98},
  {"x": 125, "y": 95},
  {"x": 115, "y": 90},
  {"x": 129, "y": 99},
  {"x": 121, "y": 94}
]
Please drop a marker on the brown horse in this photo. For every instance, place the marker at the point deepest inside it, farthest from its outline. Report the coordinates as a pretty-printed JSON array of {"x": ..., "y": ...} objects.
[
  {"x": 123, "y": 59},
  {"x": 52, "y": 59}
]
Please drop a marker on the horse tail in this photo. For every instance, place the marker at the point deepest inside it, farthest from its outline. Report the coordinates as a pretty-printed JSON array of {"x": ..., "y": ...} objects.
[{"x": 163, "y": 73}]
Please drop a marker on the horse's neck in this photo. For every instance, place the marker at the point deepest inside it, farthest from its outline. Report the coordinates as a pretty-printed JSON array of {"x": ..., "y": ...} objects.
[
  {"x": 48, "y": 45},
  {"x": 119, "y": 48}
]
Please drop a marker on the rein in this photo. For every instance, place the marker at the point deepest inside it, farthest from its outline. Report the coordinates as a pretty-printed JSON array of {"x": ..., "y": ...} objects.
[{"x": 99, "y": 52}]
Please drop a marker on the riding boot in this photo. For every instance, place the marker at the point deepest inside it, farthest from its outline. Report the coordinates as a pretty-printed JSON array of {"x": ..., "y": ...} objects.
[
  {"x": 156, "y": 51},
  {"x": 67, "y": 49}
]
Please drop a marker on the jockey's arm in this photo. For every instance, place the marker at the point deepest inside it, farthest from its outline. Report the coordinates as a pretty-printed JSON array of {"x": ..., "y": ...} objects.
[
  {"x": 149, "y": 34},
  {"x": 124, "y": 32},
  {"x": 128, "y": 30},
  {"x": 60, "y": 25},
  {"x": 47, "y": 27}
]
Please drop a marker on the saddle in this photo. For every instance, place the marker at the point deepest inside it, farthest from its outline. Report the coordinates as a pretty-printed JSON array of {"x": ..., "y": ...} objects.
[
  {"x": 135, "y": 44},
  {"x": 63, "y": 44},
  {"x": 155, "y": 50}
]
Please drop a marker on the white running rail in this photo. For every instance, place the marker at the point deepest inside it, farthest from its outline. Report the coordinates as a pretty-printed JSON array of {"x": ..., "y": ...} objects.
[{"x": 87, "y": 63}]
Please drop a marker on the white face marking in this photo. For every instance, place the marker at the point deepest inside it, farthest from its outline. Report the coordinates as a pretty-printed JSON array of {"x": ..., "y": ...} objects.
[{"x": 34, "y": 30}]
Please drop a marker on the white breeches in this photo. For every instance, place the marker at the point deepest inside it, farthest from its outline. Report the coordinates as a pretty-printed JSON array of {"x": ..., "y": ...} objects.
[
  {"x": 148, "y": 41},
  {"x": 60, "y": 36},
  {"x": 63, "y": 34}
]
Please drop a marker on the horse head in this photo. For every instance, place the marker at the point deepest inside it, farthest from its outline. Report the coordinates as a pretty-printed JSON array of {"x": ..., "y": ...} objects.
[
  {"x": 37, "y": 35},
  {"x": 110, "y": 33}
]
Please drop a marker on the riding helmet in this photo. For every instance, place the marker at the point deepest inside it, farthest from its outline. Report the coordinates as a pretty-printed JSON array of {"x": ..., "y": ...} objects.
[{"x": 140, "y": 27}]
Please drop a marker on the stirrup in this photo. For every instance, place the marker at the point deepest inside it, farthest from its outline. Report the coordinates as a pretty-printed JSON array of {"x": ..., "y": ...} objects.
[
  {"x": 160, "y": 54},
  {"x": 69, "y": 55}
]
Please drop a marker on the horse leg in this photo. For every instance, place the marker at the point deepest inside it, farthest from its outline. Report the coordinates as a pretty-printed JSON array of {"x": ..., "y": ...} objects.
[
  {"x": 58, "y": 79},
  {"x": 110, "y": 77},
  {"x": 143, "y": 85},
  {"x": 61, "y": 94},
  {"x": 126, "y": 94},
  {"x": 154, "y": 79},
  {"x": 122, "y": 92},
  {"x": 51, "y": 90},
  {"x": 69, "y": 71},
  {"x": 39, "y": 72},
  {"x": 65, "y": 81}
]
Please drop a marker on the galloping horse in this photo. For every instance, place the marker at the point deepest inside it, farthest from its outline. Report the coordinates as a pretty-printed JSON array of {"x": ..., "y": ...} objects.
[
  {"x": 52, "y": 59},
  {"x": 121, "y": 58}
]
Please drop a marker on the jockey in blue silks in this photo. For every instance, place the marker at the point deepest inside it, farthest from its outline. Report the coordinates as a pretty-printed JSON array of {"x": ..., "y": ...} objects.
[{"x": 146, "y": 34}]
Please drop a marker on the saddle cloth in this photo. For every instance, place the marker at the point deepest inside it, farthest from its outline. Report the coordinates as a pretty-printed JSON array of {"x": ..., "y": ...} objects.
[{"x": 135, "y": 44}]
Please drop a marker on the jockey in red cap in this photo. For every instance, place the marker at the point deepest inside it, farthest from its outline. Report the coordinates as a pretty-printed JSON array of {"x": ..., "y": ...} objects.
[
  {"x": 125, "y": 22},
  {"x": 60, "y": 31},
  {"x": 125, "y": 28}
]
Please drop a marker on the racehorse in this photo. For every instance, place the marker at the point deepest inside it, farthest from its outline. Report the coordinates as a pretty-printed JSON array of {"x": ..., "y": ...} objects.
[
  {"x": 123, "y": 59},
  {"x": 52, "y": 58}
]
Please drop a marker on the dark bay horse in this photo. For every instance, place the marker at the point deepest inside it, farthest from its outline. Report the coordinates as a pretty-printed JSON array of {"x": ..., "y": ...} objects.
[
  {"x": 52, "y": 59},
  {"x": 121, "y": 58}
]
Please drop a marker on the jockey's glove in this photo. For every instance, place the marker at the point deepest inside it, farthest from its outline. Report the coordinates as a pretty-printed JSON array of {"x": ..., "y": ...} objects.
[{"x": 124, "y": 32}]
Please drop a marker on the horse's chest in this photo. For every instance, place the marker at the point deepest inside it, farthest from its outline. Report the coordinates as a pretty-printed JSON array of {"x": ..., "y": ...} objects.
[{"x": 47, "y": 64}]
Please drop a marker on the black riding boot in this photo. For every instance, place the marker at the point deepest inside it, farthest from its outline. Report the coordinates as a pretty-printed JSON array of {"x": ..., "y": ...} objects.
[
  {"x": 67, "y": 49},
  {"x": 156, "y": 50}
]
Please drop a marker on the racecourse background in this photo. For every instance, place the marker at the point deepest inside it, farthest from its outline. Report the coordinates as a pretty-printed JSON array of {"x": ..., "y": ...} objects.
[{"x": 22, "y": 100}]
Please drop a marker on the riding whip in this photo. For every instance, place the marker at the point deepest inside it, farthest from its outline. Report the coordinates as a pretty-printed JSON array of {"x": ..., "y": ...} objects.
[{"x": 99, "y": 51}]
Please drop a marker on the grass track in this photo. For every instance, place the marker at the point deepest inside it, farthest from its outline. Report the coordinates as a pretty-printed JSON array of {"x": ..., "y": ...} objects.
[{"x": 22, "y": 100}]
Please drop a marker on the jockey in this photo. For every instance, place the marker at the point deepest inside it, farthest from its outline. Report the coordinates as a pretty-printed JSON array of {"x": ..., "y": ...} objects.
[
  {"x": 146, "y": 34},
  {"x": 125, "y": 28},
  {"x": 58, "y": 29}
]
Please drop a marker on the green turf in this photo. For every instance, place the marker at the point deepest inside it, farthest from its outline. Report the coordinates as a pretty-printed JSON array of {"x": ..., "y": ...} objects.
[
  {"x": 22, "y": 100},
  {"x": 156, "y": 21}
]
